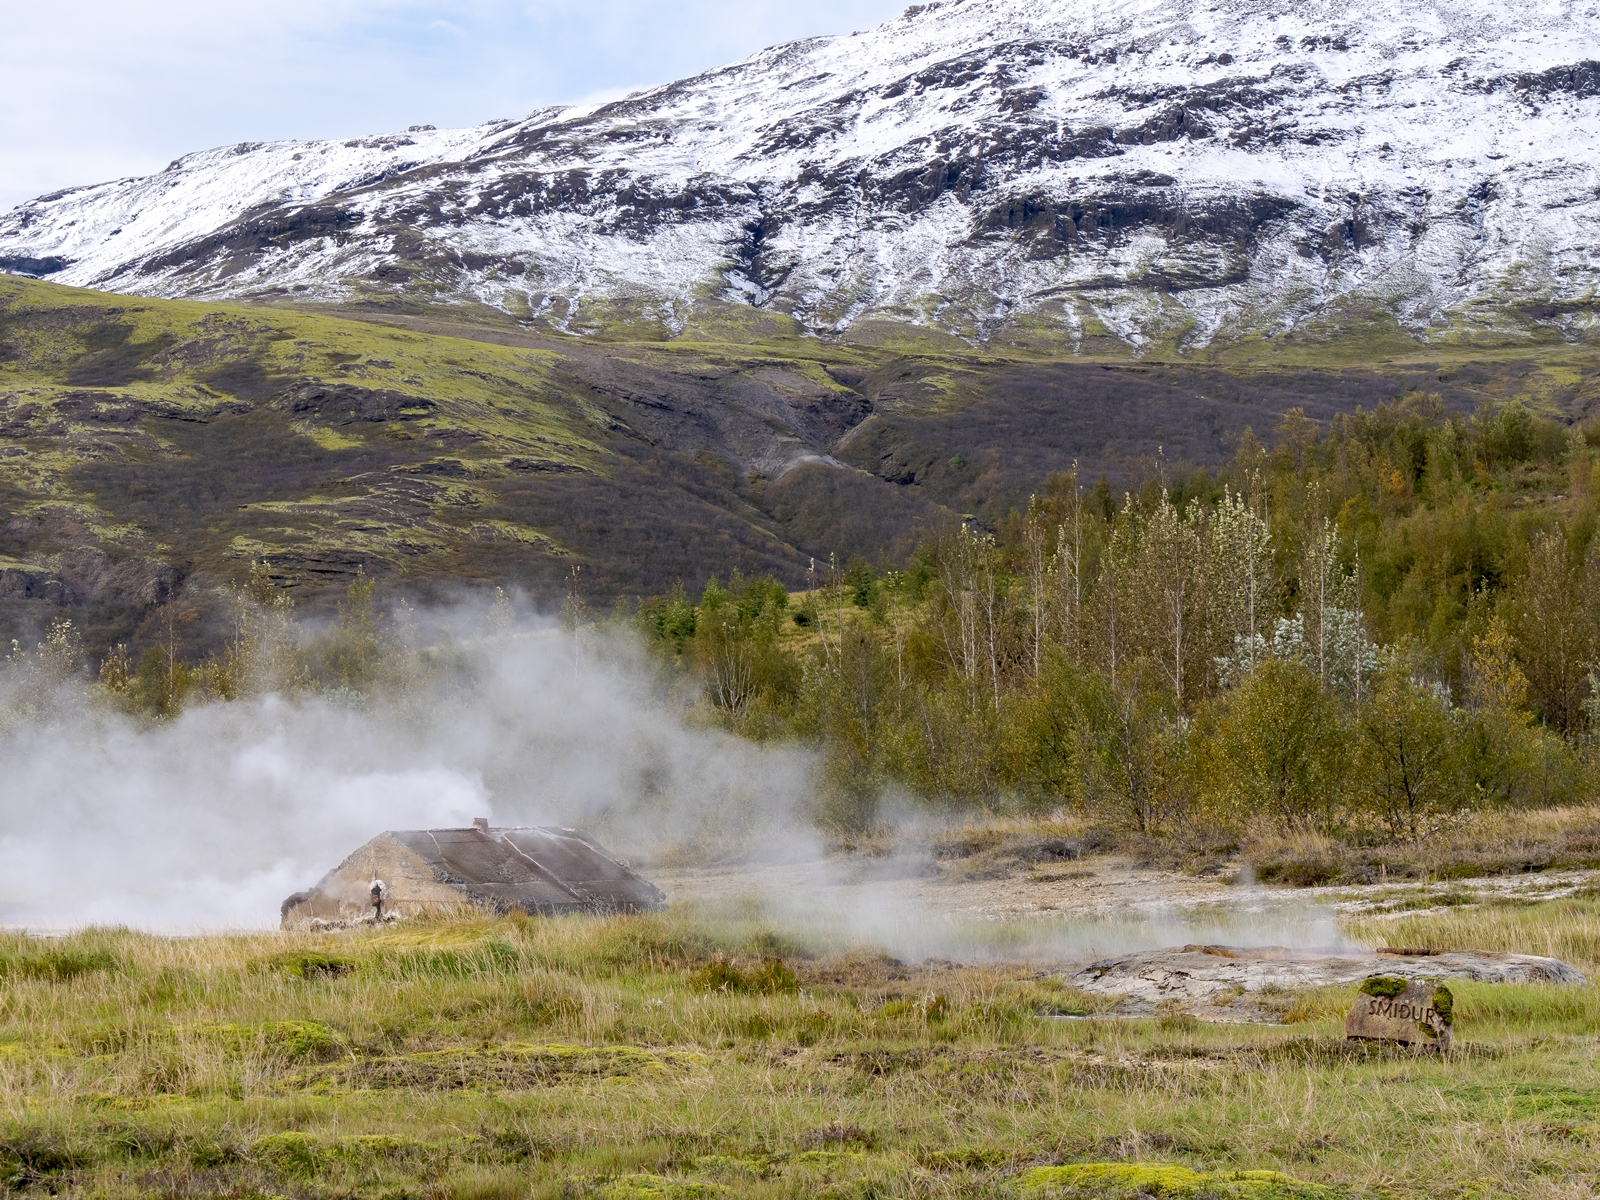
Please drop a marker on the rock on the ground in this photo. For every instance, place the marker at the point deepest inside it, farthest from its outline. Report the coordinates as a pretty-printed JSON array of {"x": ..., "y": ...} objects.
[{"x": 1217, "y": 975}]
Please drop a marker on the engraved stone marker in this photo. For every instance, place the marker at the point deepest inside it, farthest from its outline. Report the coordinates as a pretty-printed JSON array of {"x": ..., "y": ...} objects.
[{"x": 1390, "y": 1009}]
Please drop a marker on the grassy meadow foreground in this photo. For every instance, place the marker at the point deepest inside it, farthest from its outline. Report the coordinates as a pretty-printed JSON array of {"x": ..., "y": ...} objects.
[{"x": 701, "y": 1053}]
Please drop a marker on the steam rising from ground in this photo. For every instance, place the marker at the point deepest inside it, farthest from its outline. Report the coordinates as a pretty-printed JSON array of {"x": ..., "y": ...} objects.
[
  {"x": 210, "y": 820},
  {"x": 877, "y": 916},
  {"x": 832, "y": 905}
]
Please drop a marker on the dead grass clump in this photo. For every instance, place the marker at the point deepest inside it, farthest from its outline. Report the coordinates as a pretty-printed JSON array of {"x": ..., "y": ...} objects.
[
  {"x": 839, "y": 1133},
  {"x": 502, "y": 1068},
  {"x": 995, "y": 851},
  {"x": 1488, "y": 843}
]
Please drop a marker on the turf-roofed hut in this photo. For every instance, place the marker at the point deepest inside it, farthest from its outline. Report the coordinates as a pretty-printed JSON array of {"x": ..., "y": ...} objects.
[{"x": 405, "y": 873}]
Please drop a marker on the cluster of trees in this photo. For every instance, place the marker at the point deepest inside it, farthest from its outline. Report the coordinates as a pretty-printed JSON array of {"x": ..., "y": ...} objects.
[
  {"x": 363, "y": 652},
  {"x": 1368, "y": 629}
]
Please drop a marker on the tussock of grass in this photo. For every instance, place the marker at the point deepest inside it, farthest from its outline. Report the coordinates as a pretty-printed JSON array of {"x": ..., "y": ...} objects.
[
  {"x": 1487, "y": 843},
  {"x": 773, "y": 976},
  {"x": 312, "y": 964},
  {"x": 1318, "y": 1004},
  {"x": 293, "y": 1041},
  {"x": 24, "y": 957},
  {"x": 644, "y": 1187}
]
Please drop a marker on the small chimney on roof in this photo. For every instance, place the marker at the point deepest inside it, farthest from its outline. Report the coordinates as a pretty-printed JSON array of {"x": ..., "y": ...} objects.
[{"x": 481, "y": 824}]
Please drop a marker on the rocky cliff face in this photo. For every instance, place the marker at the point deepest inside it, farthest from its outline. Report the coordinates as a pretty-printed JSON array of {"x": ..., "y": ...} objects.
[{"x": 1179, "y": 172}]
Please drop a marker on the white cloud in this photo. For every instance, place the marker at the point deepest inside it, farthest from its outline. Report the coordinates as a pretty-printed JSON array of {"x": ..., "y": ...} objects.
[{"x": 96, "y": 89}]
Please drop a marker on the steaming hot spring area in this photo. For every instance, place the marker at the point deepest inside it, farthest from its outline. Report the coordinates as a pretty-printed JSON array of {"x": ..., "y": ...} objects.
[{"x": 988, "y": 1010}]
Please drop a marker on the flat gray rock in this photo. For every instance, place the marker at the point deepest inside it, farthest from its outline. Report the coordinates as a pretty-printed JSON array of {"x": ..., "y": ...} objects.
[{"x": 1218, "y": 975}]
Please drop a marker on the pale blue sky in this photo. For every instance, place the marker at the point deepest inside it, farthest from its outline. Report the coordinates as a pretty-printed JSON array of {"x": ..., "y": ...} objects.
[{"x": 96, "y": 89}]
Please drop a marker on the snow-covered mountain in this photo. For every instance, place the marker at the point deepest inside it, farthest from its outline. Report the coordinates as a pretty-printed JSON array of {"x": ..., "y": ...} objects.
[{"x": 1180, "y": 171}]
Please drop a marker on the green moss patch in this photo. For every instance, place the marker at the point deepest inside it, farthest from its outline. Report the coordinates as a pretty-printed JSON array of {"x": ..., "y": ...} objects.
[
  {"x": 1444, "y": 1003},
  {"x": 312, "y": 964},
  {"x": 297, "y": 1041},
  {"x": 304, "y": 1154},
  {"x": 1161, "y": 1179},
  {"x": 1387, "y": 986},
  {"x": 1542, "y": 1100}
]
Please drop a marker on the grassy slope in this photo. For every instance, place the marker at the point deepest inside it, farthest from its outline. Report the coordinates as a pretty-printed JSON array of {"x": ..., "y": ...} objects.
[
  {"x": 173, "y": 441},
  {"x": 151, "y": 449},
  {"x": 585, "y": 1057}
]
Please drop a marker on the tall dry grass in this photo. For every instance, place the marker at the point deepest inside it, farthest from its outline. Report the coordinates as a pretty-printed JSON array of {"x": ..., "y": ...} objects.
[
  {"x": 1568, "y": 929},
  {"x": 1495, "y": 842},
  {"x": 656, "y": 1056}
]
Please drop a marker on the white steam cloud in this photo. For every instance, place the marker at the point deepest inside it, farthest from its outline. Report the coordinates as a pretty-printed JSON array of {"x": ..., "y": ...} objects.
[{"x": 210, "y": 820}]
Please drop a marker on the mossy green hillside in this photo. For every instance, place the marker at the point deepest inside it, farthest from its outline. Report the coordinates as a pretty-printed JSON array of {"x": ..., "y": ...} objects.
[
  {"x": 151, "y": 450},
  {"x": 110, "y": 398},
  {"x": 175, "y": 443}
]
